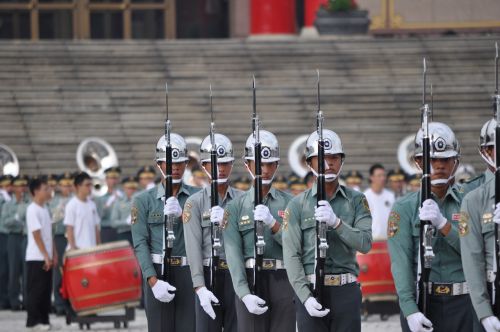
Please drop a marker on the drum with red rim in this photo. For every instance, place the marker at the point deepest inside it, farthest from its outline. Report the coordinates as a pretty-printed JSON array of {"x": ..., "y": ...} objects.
[{"x": 102, "y": 278}]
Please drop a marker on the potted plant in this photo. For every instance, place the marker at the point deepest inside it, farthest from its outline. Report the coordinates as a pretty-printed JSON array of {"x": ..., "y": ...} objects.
[{"x": 341, "y": 17}]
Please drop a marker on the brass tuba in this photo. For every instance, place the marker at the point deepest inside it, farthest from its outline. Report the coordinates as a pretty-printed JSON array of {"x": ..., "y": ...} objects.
[
  {"x": 9, "y": 165},
  {"x": 94, "y": 155},
  {"x": 296, "y": 156},
  {"x": 406, "y": 150}
]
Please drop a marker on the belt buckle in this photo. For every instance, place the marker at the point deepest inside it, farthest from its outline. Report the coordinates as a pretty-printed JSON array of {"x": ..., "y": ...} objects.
[
  {"x": 332, "y": 280},
  {"x": 268, "y": 264},
  {"x": 175, "y": 261},
  {"x": 223, "y": 265},
  {"x": 442, "y": 289}
]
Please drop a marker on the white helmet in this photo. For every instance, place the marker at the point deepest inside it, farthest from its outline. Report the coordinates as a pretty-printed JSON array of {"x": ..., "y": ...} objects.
[
  {"x": 270, "y": 151},
  {"x": 179, "y": 148},
  {"x": 333, "y": 144},
  {"x": 443, "y": 142},
  {"x": 487, "y": 135},
  {"x": 224, "y": 149}
]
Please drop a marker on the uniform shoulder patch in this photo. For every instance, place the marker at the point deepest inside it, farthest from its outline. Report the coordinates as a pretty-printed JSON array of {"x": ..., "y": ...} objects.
[
  {"x": 286, "y": 217},
  {"x": 393, "y": 224},
  {"x": 225, "y": 219},
  {"x": 186, "y": 213},
  {"x": 365, "y": 204},
  {"x": 463, "y": 224},
  {"x": 133, "y": 215}
]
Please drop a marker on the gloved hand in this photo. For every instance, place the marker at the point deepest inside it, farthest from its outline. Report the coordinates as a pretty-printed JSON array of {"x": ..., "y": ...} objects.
[
  {"x": 206, "y": 298},
  {"x": 261, "y": 212},
  {"x": 417, "y": 322},
  {"x": 163, "y": 291},
  {"x": 216, "y": 214},
  {"x": 496, "y": 214},
  {"x": 313, "y": 307},
  {"x": 172, "y": 207},
  {"x": 430, "y": 211},
  {"x": 255, "y": 305},
  {"x": 491, "y": 323},
  {"x": 324, "y": 213},
  {"x": 129, "y": 220}
]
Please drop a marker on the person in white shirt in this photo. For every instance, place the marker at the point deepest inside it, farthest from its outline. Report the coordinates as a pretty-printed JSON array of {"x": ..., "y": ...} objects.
[
  {"x": 380, "y": 201},
  {"x": 80, "y": 216},
  {"x": 40, "y": 256}
]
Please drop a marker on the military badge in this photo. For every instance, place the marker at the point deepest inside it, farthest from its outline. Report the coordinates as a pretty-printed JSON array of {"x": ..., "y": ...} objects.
[
  {"x": 487, "y": 218},
  {"x": 463, "y": 224},
  {"x": 225, "y": 219},
  {"x": 393, "y": 224},
  {"x": 186, "y": 214},
  {"x": 286, "y": 217},
  {"x": 365, "y": 205},
  {"x": 133, "y": 215}
]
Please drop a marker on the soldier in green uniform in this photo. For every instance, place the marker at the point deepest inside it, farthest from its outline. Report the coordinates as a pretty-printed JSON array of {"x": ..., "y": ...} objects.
[
  {"x": 168, "y": 308},
  {"x": 14, "y": 219},
  {"x": 57, "y": 206},
  {"x": 349, "y": 223},
  {"x": 146, "y": 177},
  {"x": 198, "y": 218},
  {"x": 450, "y": 307},
  {"x": 105, "y": 203},
  {"x": 396, "y": 179},
  {"x": 486, "y": 146},
  {"x": 120, "y": 216},
  {"x": 477, "y": 241},
  {"x": 275, "y": 310},
  {"x": 5, "y": 196}
]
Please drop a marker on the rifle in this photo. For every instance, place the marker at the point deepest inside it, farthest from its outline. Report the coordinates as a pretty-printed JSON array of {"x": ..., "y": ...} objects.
[
  {"x": 426, "y": 229},
  {"x": 214, "y": 201},
  {"x": 495, "y": 285},
  {"x": 321, "y": 228},
  {"x": 258, "y": 224},
  {"x": 168, "y": 222}
]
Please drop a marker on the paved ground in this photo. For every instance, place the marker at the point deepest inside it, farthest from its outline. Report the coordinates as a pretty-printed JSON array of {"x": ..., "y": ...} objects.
[{"x": 15, "y": 321}]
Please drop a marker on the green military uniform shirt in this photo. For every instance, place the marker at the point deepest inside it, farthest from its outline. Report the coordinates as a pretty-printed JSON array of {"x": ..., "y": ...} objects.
[
  {"x": 120, "y": 214},
  {"x": 3, "y": 201},
  {"x": 14, "y": 215},
  {"x": 57, "y": 206},
  {"x": 147, "y": 220},
  {"x": 197, "y": 230},
  {"x": 104, "y": 206},
  {"x": 239, "y": 238},
  {"x": 403, "y": 241},
  {"x": 299, "y": 236},
  {"x": 477, "y": 240},
  {"x": 478, "y": 181}
]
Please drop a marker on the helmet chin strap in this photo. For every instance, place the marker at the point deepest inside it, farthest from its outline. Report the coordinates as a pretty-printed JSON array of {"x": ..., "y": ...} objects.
[
  {"x": 487, "y": 159},
  {"x": 174, "y": 181},
  {"x": 264, "y": 182},
  {"x": 219, "y": 180},
  {"x": 328, "y": 177},
  {"x": 443, "y": 182}
]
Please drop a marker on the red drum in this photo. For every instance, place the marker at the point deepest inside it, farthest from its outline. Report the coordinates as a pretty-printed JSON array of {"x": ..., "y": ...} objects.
[
  {"x": 102, "y": 278},
  {"x": 375, "y": 273}
]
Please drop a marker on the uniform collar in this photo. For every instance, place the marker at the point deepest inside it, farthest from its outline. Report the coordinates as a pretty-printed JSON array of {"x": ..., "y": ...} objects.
[
  {"x": 488, "y": 175},
  {"x": 230, "y": 192},
  {"x": 160, "y": 192},
  {"x": 340, "y": 189},
  {"x": 452, "y": 191},
  {"x": 272, "y": 192}
]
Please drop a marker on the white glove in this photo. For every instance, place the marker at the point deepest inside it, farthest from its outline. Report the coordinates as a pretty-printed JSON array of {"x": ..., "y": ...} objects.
[
  {"x": 261, "y": 212},
  {"x": 491, "y": 323},
  {"x": 255, "y": 305},
  {"x": 16, "y": 217},
  {"x": 216, "y": 214},
  {"x": 206, "y": 298},
  {"x": 129, "y": 220},
  {"x": 172, "y": 207},
  {"x": 313, "y": 307},
  {"x": 163, "y": 291},
  {"x": 417, "y": 322},
  {"x": 324, "y": 213},
  {"x": 496, "y": 214},
  {"x": 430, "y": 211}
]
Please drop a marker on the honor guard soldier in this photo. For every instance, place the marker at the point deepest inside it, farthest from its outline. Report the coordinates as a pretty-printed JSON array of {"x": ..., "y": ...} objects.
[
  {"x": 347, "y": 216},
  {"x": 169, "y": 304},
  {"x": 271, "y": 309},
  {"x": 57, "y": 206},
  {"x": 354, "y": 180},
  {"x": 486, "y": 146},
  {"x": 146, "y": 177},
  {"x": 396, "y": 179},
  {"x": 14, "y": 219},
  {"x": 449, "y": 307},
  {"x": 477, "y": 238},
  {"x": 199, "y": 216},
  {"x": 5, "y": 191},
  {"x": 105, "y": 203},
  {"x": 120, "y": 215}
]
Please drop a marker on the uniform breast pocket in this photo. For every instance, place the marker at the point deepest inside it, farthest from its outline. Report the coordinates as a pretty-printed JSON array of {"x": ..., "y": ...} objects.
[
  {"x": 205, "y": 219},
  {"x": 245, "y": 225},
  {"x": 308, "y": 222},
  {"x": 488, "y": 227},
  {"x": 155, "y": 220}
]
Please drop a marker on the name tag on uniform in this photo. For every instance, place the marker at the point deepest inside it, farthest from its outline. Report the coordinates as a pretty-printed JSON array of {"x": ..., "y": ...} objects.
[
  {"x": 205, "y": 215},
  {"x": 455, "y": 216},
  {"x": 487, "y": 217}
]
